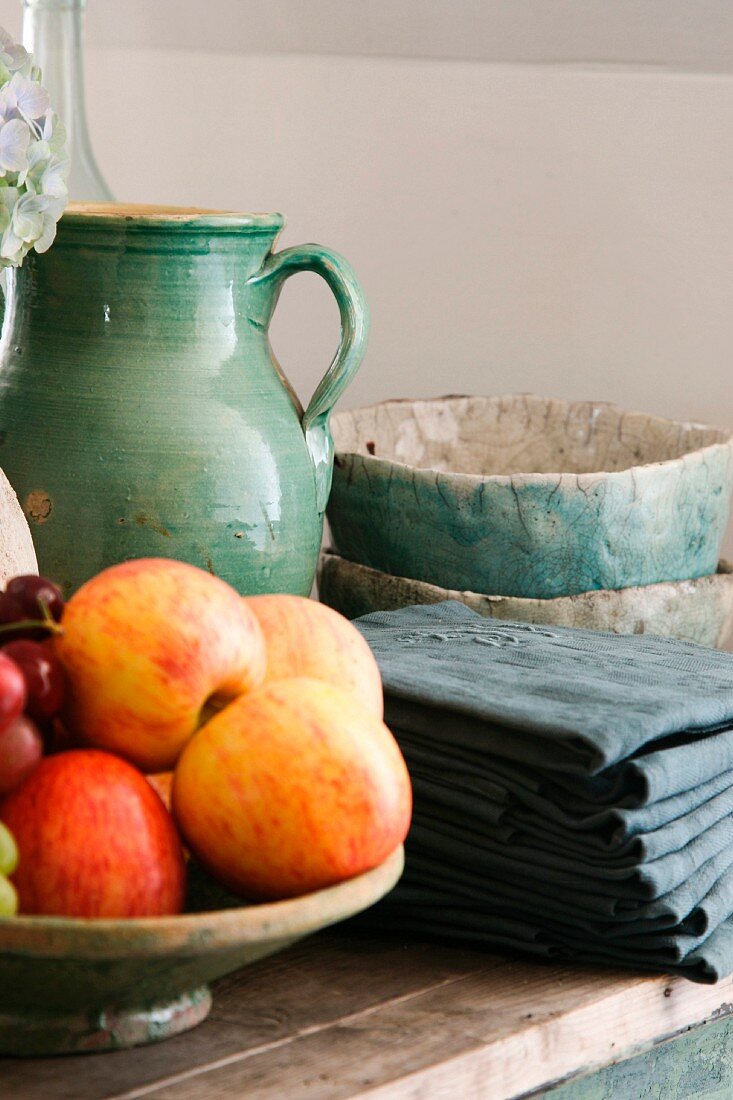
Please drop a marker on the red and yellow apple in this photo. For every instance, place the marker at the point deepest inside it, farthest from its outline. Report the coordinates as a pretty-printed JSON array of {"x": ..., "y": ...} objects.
[
  {"x": 147, "y": 646},
  {"x": 94, "y": 840},
  {"x": 305, "y": 638},
  {"x": 291, "y": 788}
]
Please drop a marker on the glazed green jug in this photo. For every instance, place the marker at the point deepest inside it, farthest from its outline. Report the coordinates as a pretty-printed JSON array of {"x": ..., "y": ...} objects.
[{"x": 141, "y": 410}]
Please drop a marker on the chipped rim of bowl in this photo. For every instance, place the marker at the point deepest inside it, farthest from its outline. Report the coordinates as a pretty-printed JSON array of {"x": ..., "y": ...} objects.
[
  {"x": 530, "y": 478},
  {"x": 200, "y": 933}
]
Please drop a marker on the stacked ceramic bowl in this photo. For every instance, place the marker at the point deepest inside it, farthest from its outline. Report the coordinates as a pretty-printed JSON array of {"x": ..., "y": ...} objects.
[{"x": 532, "y": 509}]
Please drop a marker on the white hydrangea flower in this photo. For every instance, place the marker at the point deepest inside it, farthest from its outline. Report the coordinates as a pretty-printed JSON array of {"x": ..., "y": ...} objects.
[
  {"x": 33, "y": 163},
  {"x": 32, "y": 225},
  {"x": 14, "y": 58}
]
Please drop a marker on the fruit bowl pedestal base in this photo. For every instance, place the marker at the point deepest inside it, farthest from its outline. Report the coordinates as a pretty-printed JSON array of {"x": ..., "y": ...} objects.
[
  {"x": 37, "y": 1033},
  {"x": 70, "y": 986}
]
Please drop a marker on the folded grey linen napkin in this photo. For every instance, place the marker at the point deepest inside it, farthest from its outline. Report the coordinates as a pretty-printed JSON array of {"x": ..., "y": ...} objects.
[
  {"x": 581, "y": 699},
  {"x": 640, "y": 881},
  {"x": 695, "y": 907},
  {"x": 669, "y": 946},
  {"x": 702, "y": 960},
  {"x": 528, "y": 796},
  {"x": 618, "y": 833},
  {"x": 646, "y": 776},
  {"x": 643, "y": 848},
  {"x": 573, "y": 789}
]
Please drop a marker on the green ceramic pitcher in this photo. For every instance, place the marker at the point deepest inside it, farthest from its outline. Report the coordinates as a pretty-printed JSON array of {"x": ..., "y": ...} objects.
[{"x": 141, "y": 409}]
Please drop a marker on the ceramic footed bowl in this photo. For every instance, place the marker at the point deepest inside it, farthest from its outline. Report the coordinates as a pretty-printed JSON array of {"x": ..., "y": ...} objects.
[
  {"x": 74, "y": 986},
  {"x": 698, "y": 611},
  {"x": 528, "y": 496}
]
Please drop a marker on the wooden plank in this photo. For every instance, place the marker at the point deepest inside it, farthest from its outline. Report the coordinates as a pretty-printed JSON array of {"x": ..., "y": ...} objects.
[
  {"x": 695, "y": 1065},
  {"x": 487, "y": 1036},
  {"x": 312, "y": 985}
]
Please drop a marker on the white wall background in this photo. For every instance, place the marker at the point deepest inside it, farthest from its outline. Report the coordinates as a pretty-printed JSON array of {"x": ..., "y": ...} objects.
[{"x": 536, "y": 194}]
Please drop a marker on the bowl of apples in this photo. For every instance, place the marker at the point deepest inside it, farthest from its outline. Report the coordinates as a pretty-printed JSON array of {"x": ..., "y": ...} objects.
[{"x": 190, "y": 780}]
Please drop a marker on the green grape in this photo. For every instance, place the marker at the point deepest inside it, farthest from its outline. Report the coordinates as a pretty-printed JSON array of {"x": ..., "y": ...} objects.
[
  {"x": 8, "y": 853},
  {"x": 8, "y": 898}
]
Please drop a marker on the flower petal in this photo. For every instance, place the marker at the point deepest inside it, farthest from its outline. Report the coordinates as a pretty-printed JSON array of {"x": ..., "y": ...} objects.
[
  {"x": 12, "y": 248},
  {"x": 14, "y": 141},
  {"x": 33, "y": 100},
  {"x": 48, "y": 234}
]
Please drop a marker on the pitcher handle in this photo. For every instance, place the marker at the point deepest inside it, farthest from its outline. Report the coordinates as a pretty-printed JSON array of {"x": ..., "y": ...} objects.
[{"x": 337, "y": 273}]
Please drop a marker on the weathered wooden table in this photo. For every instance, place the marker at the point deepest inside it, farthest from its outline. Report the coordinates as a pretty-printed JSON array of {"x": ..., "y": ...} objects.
[{"x": 347, "y": 1014}]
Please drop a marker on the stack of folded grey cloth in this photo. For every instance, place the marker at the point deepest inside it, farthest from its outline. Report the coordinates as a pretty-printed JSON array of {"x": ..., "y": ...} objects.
[{"x": 573, "y": 789}]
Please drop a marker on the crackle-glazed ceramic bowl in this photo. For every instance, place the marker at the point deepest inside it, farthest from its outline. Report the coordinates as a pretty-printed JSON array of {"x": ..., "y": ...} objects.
[
  {"x": 698, "y": 611},
  {"x": 528, "y": 496},
  {"x": 76, "y": 986}
]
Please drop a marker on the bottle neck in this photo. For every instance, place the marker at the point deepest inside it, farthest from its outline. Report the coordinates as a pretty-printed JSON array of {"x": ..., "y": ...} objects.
[{"x": 53, "y": 31}]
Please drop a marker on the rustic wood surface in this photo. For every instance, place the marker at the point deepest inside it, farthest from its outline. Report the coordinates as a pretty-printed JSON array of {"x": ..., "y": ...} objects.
[
  {"x": 696, "y": 1065},
  {"x": 348, "y": 1014}
]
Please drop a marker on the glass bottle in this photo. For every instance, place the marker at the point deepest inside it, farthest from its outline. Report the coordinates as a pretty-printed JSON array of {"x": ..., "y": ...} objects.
[{"x": 53, "y": 31}]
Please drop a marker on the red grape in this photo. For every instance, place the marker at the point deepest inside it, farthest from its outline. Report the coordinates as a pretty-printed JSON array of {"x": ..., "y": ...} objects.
[
  {"x": 31, "y": 592},
  {"x": 21, "y": 749},
  {"x": 12, "y": 692},
  {"x": 43, "y": 674},
  {"x": 11, "y": 610}
]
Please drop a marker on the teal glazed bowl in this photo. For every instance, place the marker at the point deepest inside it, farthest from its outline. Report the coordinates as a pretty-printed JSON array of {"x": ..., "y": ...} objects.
[
  {"x": 79, "y": 986},
  {"x": 528, "y": 496}
]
